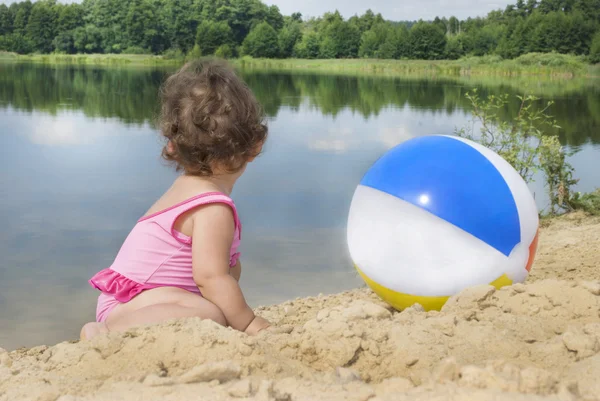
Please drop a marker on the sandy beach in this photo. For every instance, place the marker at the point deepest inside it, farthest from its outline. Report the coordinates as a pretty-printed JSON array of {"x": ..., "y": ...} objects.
[{"x": 534, "y": 341}]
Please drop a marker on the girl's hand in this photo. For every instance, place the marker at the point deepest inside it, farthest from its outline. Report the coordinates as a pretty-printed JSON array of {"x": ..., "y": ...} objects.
[{"x": 257, "y": 325}]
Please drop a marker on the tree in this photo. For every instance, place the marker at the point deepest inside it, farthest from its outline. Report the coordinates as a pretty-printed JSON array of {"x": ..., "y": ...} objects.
[
  {"x": 427, "y": 41},
  {"x": 274, "y": 18},
  {"x": 369, "y": 44},
  {"x": 296, "y": 17},
  {"x": 531, "y": 6},
  {"x": 521, "y": 8},
  {"x": 153, "y": 26},
  {"x": 442, "y": 24},
  {"x": 87, "y": 39},
  {"x": 64, "y": 43},
  {"x": 595, "y": 49},
  {"x": 17, "y": 43},
  {"x": 22, "y": 11},
  {"x": 41, "y": 28},
  {"x": 454, "y": 25},
  {"x": 143, "y": 29},
  {"x": 372, "y": 40},
  {"x": 309, "y": 46},
  {"x": 5, "y": 20},
  {"x": 288, "y": 37},
  {"x": 69, "y": 17},
  {"x": 454, "y": 47},
  {"x": 340, "y": 38},
  {"x": 180, "y": 24},
  {"x": 261, "y": 42},
  {"x": 212, "y": 35},
  {"x": 483, "y": 41},
  {"x": 400, "y": 38}
]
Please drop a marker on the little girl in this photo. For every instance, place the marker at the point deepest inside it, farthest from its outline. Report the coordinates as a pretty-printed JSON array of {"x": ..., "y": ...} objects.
[{"x": 180, "y": 259}]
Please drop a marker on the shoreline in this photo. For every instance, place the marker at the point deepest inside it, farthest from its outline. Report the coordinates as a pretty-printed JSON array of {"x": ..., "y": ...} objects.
[
  {"x": 553, "y": 66},
  {"x": 533, "y": 341}
]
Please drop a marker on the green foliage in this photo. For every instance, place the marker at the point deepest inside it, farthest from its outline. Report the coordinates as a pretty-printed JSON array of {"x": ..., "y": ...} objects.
[
  {"x": 340, "y": 39},
  {"x": 288, "y": 37},
  {"x": 369, "y": 44},
  {"x": 5, "y": 20},
  {"x": 558, "y": 173},
  {"x": 136, "y": 50},
  {"x": 484, "y": 40},
  {"x": 427, "y": 41},
  {"x": 589, "y": 202},
  {"x": 195, "y": 53},
  {"x": 41, "y": 26},
  {"x": 308, "y": 47},
  {"x": 17, "y": 43},
  {"x": 173, "y": 54},
  {"x": 374, "y": 39},
  {"x": 224, "y": 51},
  {"x": 110, "y": 26},
  {"x": 262, "y": 41},
  {"x": 63, "y": 43},
  {"x": 550, "y": 60},
  {"x": 211, "y": 35},
  {"x": 595, "y": 49},
  {"x": 454, "y": 48},
  {"x": 526, "y": 142}
]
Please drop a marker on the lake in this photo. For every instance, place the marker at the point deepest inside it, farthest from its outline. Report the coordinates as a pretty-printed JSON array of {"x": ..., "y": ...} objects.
[{"x": 80, "y": 164}]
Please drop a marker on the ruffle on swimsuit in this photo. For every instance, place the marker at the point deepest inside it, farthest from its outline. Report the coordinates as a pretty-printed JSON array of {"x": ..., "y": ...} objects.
[{"x": 120, "y": 287}]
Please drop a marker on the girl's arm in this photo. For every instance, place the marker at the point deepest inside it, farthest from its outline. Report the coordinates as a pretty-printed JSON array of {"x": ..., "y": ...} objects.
[{"x": 213, "y": 235}]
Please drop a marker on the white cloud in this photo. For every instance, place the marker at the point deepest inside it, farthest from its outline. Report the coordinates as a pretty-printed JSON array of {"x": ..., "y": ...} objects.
[{"x": 67, "y": 128}]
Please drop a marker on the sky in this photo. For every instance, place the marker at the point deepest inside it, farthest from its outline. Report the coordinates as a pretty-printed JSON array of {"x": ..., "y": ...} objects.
[{"x": 392, "y": 10}]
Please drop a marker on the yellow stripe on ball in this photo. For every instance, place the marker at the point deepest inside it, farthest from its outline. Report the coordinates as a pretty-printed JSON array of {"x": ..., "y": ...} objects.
[{"x": 402, "y": 301}]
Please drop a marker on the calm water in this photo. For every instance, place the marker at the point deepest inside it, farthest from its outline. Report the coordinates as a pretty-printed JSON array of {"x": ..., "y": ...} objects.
[{"x": 80, "y": 163}]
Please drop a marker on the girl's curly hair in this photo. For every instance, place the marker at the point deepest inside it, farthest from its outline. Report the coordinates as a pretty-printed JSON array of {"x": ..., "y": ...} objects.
[{"x": 210, "y": 119}]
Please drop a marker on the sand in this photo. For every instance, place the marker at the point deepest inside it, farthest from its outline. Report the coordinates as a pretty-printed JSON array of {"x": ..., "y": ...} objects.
[{"x": 534, "y": 341}]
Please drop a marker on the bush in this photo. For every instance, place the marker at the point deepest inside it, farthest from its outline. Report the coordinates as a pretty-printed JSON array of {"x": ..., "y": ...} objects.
[
  {"x": 224, "y": 51},
  {"x": 195, "y": 53},
  {"x": 454, "y": 48},
  {"x": 589, "y": 202},
  {"x": 173, "y": 54},
  {"x": 525, "y": 143},
  {"x": 262, "y": 41},
  {"x": 550, "y": 60}
]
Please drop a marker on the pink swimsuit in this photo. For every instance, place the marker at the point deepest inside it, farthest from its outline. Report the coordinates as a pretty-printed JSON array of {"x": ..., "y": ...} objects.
[{"x": 155, "y": 255}]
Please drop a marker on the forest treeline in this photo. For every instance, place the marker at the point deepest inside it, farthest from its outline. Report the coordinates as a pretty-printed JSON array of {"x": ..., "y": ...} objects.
[{"x": 233, "y": 28}]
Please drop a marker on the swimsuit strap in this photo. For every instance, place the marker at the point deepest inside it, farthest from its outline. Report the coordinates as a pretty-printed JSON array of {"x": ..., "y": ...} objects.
[{"x": 166, "y": 218}]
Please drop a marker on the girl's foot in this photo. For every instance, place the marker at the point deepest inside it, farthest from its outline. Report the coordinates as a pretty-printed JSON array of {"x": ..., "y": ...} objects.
[{"x": 91, "y": 330}]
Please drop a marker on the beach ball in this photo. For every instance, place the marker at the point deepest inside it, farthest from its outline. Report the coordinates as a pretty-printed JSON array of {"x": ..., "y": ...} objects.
[{"x": 436, "y": 215}]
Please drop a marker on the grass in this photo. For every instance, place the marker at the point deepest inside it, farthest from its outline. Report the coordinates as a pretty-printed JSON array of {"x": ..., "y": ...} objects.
[
  {"x": 7, "y": 56},
  {"x": 539, "y": 74},
  {"x": 588, "y": 202},
  {"x": 535, "y": 64},
  {"x": 95, "y": 59}
]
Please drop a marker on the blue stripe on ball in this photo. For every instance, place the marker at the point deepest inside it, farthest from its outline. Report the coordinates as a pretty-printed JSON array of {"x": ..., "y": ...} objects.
[{"x": 453, "y": 181}]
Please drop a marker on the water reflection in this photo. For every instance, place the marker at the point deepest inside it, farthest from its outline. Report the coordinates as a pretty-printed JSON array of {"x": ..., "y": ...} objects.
[
  {"x": 80, "y": 163},
  {"x": 130, "y": 94}
]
